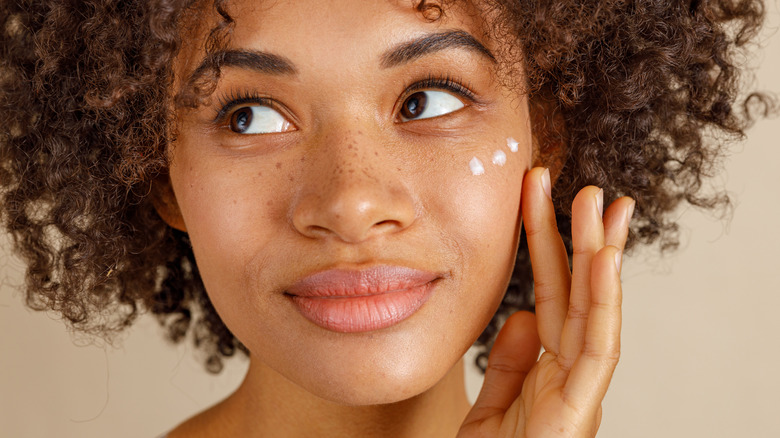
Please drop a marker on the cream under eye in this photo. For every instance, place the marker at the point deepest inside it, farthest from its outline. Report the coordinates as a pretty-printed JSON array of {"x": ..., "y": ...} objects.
[
  {"x": 258, "y": 119},
  {"x": 427, "y": 104}
]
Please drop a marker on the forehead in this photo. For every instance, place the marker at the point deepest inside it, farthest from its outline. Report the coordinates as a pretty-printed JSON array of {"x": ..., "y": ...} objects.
[
  {"x": 352, "y": 22},
  {"x": 323, "y": 34}
]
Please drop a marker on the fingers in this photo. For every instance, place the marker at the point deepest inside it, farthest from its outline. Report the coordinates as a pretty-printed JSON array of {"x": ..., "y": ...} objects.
[
  {"x": 616, "y": 220},
  {"x": 513, "y": 355},
  {"x": 597, "y": 422},
  {"x": 591, "y": 373},
  {"x": 587, "y": 239},
  {"x": 550, "y": 262}
]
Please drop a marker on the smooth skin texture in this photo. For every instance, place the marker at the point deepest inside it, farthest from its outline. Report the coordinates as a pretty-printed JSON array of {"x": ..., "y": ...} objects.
[{"x": 351, "y": 185}]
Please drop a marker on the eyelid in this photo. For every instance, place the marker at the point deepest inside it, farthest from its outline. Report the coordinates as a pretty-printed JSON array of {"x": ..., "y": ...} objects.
[
  {"x": 447, "y": 83},
  {"x": 231, "y": 102},
  {"x": 234, "y": 100}
]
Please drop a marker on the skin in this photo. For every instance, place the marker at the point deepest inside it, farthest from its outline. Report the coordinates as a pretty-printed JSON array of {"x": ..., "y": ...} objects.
[{"x": 350, "y": 185}]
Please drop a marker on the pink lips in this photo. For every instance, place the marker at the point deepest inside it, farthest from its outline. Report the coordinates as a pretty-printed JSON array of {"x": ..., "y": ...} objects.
[{"x": 359, "y": 301}]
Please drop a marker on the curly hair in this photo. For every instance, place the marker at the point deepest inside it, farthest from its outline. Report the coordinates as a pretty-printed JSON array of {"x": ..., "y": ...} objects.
[{"x": 642, "y": 94}]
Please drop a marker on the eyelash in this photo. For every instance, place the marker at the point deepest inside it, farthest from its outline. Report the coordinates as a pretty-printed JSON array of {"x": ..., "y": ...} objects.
[
  {"x": 231, "y": 100},
  {"x": 448, "y": 83}
]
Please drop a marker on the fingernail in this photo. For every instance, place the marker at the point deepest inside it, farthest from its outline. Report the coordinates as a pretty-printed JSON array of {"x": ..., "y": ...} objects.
[
  {"x": 618, "y": 259},
  {"x": 546, "y": 183},
  {"x": 600, "y": 202},
  {"x": 630, "y": 212}
]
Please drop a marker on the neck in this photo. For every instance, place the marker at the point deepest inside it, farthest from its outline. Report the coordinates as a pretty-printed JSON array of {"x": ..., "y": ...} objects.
[{"x": 267, "y": 404}]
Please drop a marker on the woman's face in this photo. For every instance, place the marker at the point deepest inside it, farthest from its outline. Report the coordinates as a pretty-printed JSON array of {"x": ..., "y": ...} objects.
[{"x": 342, "y": 226}]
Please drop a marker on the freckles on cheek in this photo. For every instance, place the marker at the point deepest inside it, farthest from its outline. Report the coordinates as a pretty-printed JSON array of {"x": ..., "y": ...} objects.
[
  {"x": 212, "y": 208},
  {"x": 212, "y": 216}
]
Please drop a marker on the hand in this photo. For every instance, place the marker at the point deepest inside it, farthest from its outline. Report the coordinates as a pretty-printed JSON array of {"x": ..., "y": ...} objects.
[{"x": 579, "y": 317}]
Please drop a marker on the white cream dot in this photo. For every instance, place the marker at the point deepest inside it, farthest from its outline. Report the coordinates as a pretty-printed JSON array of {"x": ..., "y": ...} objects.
[
  {"x": 499, "y": 158},
  {"x": 476, "y": 166},
  {"x": 512, "y": 144}
]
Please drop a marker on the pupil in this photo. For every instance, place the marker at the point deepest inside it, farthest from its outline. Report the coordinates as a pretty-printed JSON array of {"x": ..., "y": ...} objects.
[
  {"x": 241, "y": 119},
  {"x": 414, "y": 105}
]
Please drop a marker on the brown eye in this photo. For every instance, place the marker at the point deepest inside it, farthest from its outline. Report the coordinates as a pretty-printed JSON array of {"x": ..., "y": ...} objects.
[
  {"x": 241, "y": 119},
  {"x": 428, "y": 104},
  {"x": 258, "y": 119},
  {"x": 414, "y": 105}
]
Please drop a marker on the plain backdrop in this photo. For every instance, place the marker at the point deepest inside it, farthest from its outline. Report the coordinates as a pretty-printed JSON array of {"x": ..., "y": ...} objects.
[{"x": 701, "y": 334}]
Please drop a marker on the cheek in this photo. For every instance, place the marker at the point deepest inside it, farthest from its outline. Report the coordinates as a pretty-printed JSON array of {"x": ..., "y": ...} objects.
[
  {"x": 481, "y": 209},
  {"x": 232, "y": 218},
  {"x": 485, "y": 202},
  {"x": 489, "y": 211},
  {"x": 221, "y": 206}
]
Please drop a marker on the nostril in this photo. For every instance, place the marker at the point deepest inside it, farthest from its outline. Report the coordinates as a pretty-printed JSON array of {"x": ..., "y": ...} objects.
[
  {"x": 352, "y": 212},
  {"x": 387, "y": 224},
  {"x": 316, "y": 230}
]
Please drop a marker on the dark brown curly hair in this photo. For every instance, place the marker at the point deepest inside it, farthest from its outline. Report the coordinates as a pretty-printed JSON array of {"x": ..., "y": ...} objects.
[{"x": 641, "y": 92}]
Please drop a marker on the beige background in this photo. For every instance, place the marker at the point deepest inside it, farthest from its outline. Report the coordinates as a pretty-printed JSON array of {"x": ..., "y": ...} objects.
[{"x": 701, "y": 342}]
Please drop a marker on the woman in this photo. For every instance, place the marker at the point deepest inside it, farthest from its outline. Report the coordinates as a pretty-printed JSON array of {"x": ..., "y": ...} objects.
[{"x": 347, "y": 183}]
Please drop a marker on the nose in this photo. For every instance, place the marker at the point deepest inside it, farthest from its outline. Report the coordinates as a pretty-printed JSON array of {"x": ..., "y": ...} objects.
[{"x": 352, "y": 191}]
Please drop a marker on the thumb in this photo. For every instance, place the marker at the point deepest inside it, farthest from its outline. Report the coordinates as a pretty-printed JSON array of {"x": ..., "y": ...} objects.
[{"x": 513, "y": 355}]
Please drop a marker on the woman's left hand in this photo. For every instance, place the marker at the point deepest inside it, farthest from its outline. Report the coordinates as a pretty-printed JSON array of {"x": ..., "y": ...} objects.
[{"x": 579, "y": 319}]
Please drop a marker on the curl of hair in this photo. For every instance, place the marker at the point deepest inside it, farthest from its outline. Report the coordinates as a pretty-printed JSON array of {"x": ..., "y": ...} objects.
[
  {"x": 641, "y": 87},
  {"x": 646, "y": 93}
]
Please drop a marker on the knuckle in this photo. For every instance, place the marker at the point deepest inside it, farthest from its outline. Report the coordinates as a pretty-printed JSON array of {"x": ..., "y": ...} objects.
[
  {"x": 564, "y": 363},
  {"x": 603, "y": 305},
  {"x": 545, "y": 288},
  {"x": 532, "y": 231},
  {"x": 575, "y": 312},
  {"x": 543, "y": 296},
  {"x": 504, "y": 367},
  {"x": 583, "y": 250},
  {"x": 609, "y": 356}
]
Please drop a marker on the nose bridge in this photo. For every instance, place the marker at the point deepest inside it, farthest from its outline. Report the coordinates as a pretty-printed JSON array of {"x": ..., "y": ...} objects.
[{"x": 352, "y": 191}]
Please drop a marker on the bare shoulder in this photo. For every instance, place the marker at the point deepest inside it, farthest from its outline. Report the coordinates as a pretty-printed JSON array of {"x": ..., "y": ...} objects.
[{"x": 212, "y": 422}]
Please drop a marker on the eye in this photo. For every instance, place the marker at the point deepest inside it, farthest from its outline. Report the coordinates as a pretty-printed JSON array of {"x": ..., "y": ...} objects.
[
  {"x": 258, "y": 119},
  {"x": 427, "y": 104}
]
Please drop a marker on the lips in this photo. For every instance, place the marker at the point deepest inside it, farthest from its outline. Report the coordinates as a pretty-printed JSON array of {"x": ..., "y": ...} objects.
[{"x": 351, "y": 301}]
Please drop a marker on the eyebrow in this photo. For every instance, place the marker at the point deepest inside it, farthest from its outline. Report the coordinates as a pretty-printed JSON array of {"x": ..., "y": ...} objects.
[
  {"x": 259, "y": 61},
  {"x": 417, "y": 48},
  {"x": 269, "y": 63}
]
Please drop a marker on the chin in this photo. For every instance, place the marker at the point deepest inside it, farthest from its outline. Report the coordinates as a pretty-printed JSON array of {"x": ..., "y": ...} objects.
[
  {"x": 388, "y": 384},
  {"x": 381, "y": 367}
]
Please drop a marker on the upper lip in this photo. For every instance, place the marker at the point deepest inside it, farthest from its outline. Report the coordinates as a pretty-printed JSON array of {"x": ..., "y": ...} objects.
[{"x": 375, "y": 280}]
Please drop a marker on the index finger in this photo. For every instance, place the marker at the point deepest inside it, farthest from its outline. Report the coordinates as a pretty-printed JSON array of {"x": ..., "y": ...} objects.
[{"x": 549, "y": 259}]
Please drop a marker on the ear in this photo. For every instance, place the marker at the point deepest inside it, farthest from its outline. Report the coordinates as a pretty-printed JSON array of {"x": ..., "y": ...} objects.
[
  {"x": 164, "y": 201},
  {"x": 548, "y": 128}
]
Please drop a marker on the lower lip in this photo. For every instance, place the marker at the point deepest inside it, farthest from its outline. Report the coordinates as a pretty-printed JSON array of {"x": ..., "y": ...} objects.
[{"x": 363, "y": 313}]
